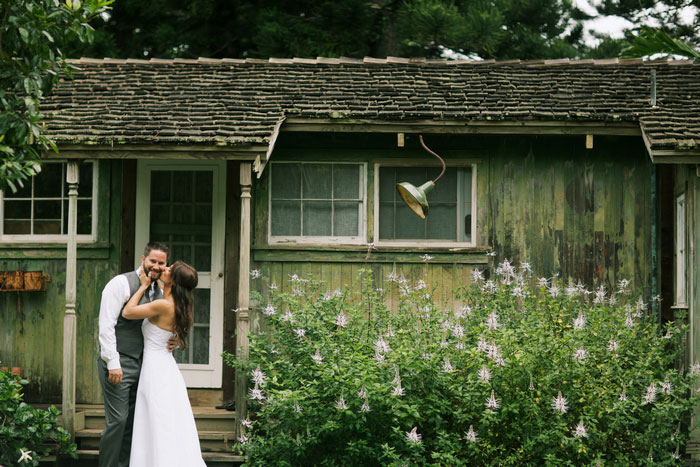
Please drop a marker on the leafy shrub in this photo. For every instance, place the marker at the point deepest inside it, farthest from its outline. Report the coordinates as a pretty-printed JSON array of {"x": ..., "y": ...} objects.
[
  {"x": 25, "y": 432},
  {"x": 513, "y": 375}
]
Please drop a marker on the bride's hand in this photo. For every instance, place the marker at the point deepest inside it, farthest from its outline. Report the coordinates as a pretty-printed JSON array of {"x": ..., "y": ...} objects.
[{"x": 145, "y": 280}]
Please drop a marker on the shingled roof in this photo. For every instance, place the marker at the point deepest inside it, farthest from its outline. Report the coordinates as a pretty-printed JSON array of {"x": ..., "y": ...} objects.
[{"x": 238, "y": 102}]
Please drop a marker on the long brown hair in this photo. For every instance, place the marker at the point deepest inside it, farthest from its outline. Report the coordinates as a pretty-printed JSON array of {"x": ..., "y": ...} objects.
[{"x": 183, "y": 279}]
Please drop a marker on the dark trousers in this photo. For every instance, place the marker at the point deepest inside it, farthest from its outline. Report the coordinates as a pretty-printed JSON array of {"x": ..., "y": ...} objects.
[{"x": 120, "y": 400}]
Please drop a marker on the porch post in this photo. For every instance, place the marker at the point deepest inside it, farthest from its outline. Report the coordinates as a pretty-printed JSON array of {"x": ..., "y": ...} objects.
[
  {"x": 242, "y": 322},
  {"x": 69, "y": 318}
]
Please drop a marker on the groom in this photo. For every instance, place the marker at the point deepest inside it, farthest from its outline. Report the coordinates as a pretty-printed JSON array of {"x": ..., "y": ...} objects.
[{"x": 121, "y": 347}]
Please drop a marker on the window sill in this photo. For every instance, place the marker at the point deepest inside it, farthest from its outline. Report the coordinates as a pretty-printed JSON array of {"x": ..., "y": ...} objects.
[
  {"x": 20, "y": 251},
  {"x": 365, "y": 254}
]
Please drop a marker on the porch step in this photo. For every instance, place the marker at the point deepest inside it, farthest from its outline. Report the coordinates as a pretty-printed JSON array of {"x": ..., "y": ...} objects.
[
  {"x": 209, "y": 441},
  {"x": 214, "y": 426},
  {"x": 206, "y": 418}
]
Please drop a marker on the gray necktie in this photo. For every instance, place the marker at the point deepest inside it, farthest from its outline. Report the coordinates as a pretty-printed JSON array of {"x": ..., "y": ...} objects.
[{"x": 152, "y": 291}]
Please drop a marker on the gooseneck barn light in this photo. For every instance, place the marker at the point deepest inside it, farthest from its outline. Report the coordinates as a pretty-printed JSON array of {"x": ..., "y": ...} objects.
[{"x": 415, "y": 197}]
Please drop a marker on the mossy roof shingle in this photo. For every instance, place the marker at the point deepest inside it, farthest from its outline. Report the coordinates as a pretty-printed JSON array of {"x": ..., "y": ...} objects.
[{"x": 230, "y": 102}]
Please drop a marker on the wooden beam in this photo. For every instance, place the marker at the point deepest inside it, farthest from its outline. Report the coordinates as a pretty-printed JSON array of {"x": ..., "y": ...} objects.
[
  {"x": 231, "y": 272},
  {"x": 95, "y": 153},
  {"x": 128, "y": 216},
  {"x": 543, "y": 127},
  {"x": 242, "y": 319},
  {"x": 69, "y": 318},
  {"x": 163, "y": 147}
]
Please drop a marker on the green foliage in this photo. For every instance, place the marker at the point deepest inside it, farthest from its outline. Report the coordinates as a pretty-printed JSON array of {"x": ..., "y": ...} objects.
[
  {"x": 652, "y": 41},
  {"x": 354, "y": 28},
  {"x": 32, "y": 33},
  {"x": 26, "y": 429},
  {"x": 504, "y": 374}
]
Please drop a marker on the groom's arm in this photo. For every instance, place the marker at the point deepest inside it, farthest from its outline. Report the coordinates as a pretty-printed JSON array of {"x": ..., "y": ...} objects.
[{"x": 114, "y": 296}]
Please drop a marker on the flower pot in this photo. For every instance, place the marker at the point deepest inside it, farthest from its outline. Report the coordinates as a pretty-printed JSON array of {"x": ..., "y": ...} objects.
[
  {"x": 14, "y": 280},
  {"x": 33, "y": 281}
]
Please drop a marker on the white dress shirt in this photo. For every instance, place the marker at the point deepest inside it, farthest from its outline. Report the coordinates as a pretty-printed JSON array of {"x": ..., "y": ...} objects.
[{"x": 114, "y": 296}]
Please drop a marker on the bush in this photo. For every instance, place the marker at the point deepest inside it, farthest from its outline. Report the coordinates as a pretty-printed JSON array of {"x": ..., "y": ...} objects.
[
  {"x": 514, "y": 375},
  {"x": 27, "y": 433}
]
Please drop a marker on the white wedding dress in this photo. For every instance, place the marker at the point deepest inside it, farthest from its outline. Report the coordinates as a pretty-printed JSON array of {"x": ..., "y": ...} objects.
[{"x": 164, "y": 434}]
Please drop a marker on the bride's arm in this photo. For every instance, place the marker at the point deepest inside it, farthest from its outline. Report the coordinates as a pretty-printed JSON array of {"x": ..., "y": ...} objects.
[{"x": 132, "y": 309}]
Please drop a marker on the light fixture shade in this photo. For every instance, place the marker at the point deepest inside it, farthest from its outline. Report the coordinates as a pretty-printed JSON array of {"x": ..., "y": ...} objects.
[{"x": 415, "y": 197}]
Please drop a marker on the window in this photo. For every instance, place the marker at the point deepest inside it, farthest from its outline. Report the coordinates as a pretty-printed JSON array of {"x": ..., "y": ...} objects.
[
  {"x": 317, "y": 202},
  {"x": 38, "y": 212},
  {"x": 680, "y": 251},
  {"x": 451, "y": 218}
]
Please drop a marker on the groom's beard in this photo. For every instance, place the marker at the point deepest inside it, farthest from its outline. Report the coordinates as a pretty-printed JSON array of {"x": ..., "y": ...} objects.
[{"x": 148, "y": 270}]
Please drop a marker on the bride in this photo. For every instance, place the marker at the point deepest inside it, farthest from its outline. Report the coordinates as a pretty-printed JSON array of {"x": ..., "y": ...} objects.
[{"x": 164, "y": 429}]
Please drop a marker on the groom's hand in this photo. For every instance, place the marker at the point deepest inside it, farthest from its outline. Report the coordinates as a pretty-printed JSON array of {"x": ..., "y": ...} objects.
[
  {"x": 115, "y": 376},
  {"x": 172, "y": 344}
]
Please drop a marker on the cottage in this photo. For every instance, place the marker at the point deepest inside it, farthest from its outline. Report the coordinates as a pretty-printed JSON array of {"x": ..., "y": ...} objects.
[{"x": 585, "y": 169}]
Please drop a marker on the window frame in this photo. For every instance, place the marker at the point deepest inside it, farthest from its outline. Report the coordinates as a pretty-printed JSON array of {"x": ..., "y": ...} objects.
[
  {"x": 57, "y": 238},
  {"x": 459, "y": 163},
  {"x": 360, "y": 239}
]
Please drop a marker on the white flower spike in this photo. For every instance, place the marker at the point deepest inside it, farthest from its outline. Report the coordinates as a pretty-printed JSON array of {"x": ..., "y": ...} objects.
[
  {"x": 484, "y": 374},
  {"x": 471, "y": 435},
  {"x": 365, "y": 406},
  {"x": 341, "y": 405},
  {"x": 492, "y": 403},
  {"x": 317, "y": 357},
  {"x": 24, "y": 456},
  {"x": 560, "y": 404},
  {"x": 413, "y": 436},
  {"x": 447, "y": 367},
  {"x": 580, "y": 431},
  {"x": 258, "y": 376}
]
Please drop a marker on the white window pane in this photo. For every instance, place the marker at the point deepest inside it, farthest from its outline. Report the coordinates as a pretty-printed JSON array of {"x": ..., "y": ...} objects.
[
  {"x": 386, "y": 221},
  {"x": 441, "y": 222},
  {"x": 200, "y": 345},
  {"x": 18, "y": 209},
  {"x": 346, "y": 181},
  {"x": 316, "y": 181},
  {"x": 445, "y": 189},
  {"x": 387, "y": 184},
  {"x": 346, "y": 219},
  {"x": 48, "y": 183},
  {"x": 285, "y": 218},
  {"x": 286, "y": 181},
  {"x": 317, "y": 218},
  {"x": 408, "y": 225}
]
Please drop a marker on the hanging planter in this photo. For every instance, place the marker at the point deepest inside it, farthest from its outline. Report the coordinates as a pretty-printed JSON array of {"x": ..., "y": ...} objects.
[
  {"x": 34, "y": 281},
  {"x": 20, "y": 281},
  {"x": 14, "y": 280}
]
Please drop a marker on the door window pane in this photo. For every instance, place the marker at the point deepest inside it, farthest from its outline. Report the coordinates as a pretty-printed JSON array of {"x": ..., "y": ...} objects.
[
  {"x": 181, "y": 214},
  {"x": 326, "y": 203},
  {"x": 197, "y": 351}
]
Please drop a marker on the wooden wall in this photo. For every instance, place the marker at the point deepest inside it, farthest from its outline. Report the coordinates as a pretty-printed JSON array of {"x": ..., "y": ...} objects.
[
  {"x": 31, "y": 330},
  {"x": 576, "y": 212}
]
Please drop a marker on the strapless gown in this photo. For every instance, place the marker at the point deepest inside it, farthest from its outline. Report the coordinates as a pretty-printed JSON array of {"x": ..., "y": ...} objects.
[{"x": 164, "y": 433}]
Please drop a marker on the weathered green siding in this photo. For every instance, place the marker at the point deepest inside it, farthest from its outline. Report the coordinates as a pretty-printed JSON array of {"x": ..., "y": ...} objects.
[
  {"x": 33, "y": 338},
  {"x": 576, "y": 212}
]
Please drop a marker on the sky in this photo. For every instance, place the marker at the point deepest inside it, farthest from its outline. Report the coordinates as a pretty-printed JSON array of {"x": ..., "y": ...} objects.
[{"x": 616, "y": 25}]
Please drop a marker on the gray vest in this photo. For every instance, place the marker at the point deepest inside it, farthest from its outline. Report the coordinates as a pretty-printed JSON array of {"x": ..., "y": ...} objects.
[{"x": 128, "y": 331}]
